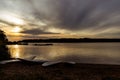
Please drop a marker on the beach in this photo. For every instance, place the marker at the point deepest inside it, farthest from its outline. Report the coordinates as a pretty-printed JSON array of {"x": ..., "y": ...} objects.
[{"x": 60, "y": 71}]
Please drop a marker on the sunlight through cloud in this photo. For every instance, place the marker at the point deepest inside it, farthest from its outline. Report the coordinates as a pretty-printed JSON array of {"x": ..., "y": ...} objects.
[
  {"x": 16, "y": 29},
  {"x": 11, "y": 18}
]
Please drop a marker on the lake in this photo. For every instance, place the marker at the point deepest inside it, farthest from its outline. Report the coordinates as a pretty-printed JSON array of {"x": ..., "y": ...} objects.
[{"x": 100, "y": 53}]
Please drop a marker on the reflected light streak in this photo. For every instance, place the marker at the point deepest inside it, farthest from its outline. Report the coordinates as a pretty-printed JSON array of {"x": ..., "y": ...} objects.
[
  {"x": 54, "y": 53},
  {"x": 15, "y": 52},
  {"x": 16, "y": 46}
]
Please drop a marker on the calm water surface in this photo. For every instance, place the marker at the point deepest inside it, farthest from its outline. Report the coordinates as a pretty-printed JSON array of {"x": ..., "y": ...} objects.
[{"x": 101, "y": 53}]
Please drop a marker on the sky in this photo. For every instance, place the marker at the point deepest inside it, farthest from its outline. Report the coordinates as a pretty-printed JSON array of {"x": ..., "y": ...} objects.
[{"x": 28, "y": 19}]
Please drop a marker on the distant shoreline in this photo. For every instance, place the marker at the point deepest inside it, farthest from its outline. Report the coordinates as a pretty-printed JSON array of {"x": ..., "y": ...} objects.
[{"x": 65, "y": 40}]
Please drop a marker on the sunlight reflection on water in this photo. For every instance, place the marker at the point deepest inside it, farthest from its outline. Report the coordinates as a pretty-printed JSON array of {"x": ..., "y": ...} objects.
[
  {"x": 15, "y": 51},
  {"x": 80, "y": 52}
]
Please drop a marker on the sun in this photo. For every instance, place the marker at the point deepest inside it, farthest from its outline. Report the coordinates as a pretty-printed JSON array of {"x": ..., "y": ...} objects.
[{"x": 16, "y": 29}]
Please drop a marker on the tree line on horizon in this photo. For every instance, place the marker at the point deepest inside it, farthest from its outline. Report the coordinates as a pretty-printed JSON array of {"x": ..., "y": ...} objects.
[{"x": 67, "y": 40}]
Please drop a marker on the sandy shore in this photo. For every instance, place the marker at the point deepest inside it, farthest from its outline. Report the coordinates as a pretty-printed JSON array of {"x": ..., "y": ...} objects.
[{"x": 61, "y": 71}]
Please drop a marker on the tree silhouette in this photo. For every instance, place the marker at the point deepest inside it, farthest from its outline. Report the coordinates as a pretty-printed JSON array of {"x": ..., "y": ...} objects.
[{"x": 4, "y": 52}]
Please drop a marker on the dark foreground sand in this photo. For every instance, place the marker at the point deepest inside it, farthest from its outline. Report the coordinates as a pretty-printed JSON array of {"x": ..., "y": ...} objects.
[{"x": 61, "y": 71}]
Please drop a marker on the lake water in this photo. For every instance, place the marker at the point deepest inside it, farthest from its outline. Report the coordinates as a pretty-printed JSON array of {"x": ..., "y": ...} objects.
[{"x": 100, "y": 53}]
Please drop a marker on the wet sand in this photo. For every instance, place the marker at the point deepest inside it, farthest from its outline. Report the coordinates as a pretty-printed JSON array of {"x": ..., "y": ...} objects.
[{"x": 61, "y": 71}]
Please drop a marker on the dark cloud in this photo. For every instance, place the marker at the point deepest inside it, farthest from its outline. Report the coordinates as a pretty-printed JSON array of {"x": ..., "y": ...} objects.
[
  {"x": 73, "y": 14},
  {"x": 36, "y": 31},
  {"x": 82, "y": 14},
  {"x": 70, "y": 15},
  {"x": 108, "y": 35},
  {"x": 8, "y": 23}
]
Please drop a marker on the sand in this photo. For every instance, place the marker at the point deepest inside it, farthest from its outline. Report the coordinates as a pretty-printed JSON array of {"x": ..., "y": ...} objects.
[{"x": 61, "y": 71}]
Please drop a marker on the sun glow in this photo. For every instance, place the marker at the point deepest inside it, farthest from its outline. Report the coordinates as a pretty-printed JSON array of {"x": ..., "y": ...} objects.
[{"x": 16, "y": 29}]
